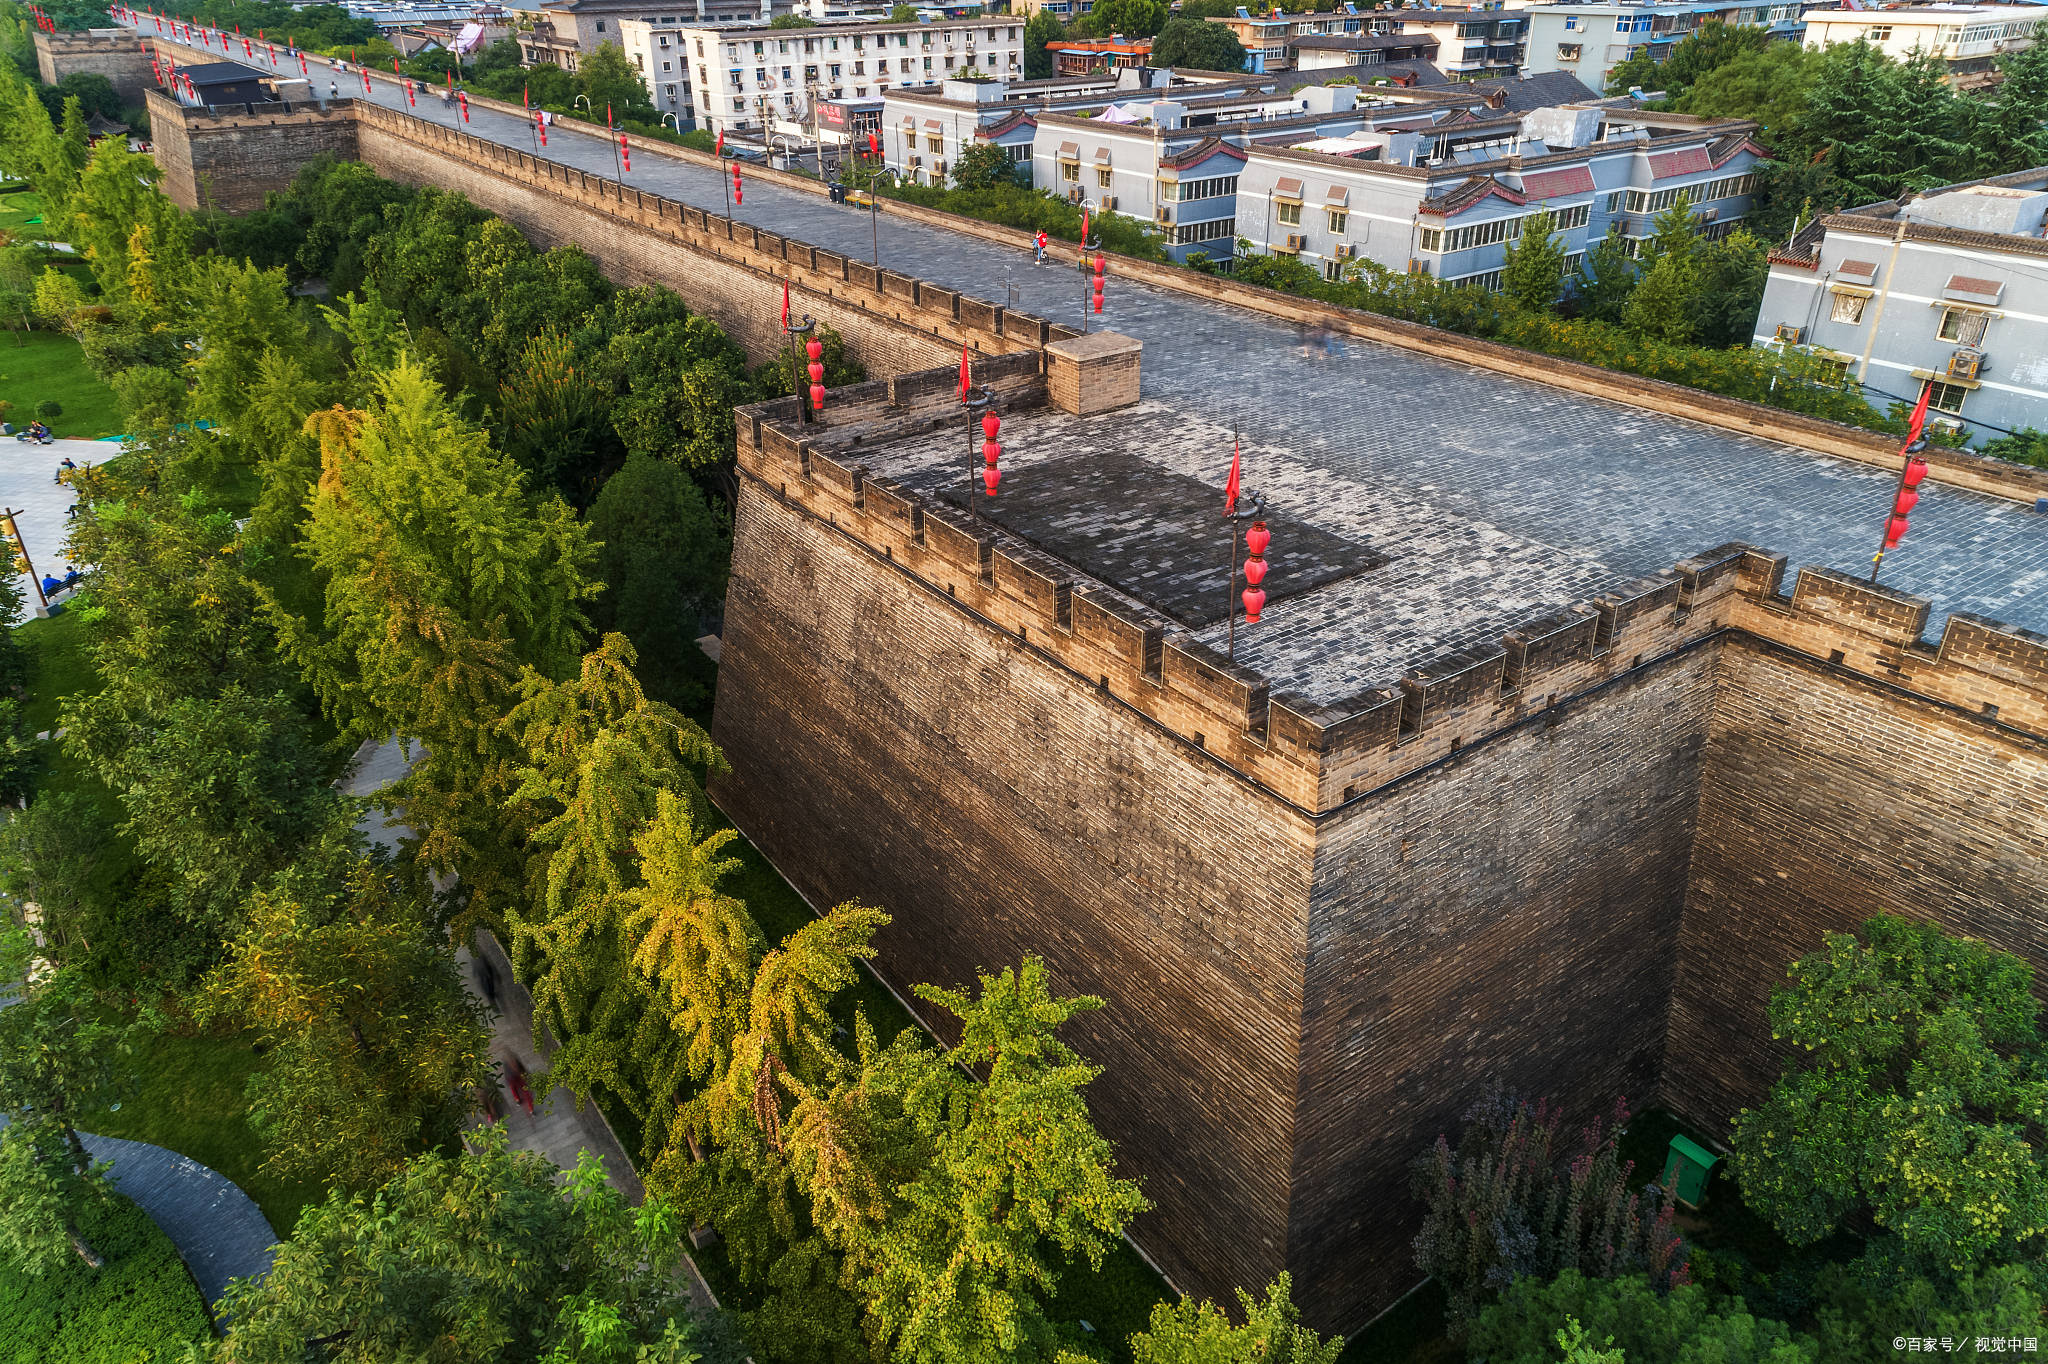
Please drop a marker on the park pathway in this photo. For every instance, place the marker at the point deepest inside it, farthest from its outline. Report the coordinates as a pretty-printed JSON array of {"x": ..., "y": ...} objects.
[
  {"x": 555, "y": 1128},
  {"x": 217, "y": 1228}
]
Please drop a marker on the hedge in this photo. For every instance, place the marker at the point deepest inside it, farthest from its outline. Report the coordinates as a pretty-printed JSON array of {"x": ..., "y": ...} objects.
[{"x": 139, "y": 1308}]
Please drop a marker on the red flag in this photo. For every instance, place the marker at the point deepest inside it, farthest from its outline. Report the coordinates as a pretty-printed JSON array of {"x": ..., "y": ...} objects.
[
  {"x": 607, "y": 113},
  {"x": 874, "y": 145},
  {"x": 1230, "y": 488},
  {"x": 1084, "y": 228},
  {"x": 785, "y": 305},
  {"x": 1919, "y": 418},
  {"x": 719, "y": 148},
  {"x": 966, "y": 382},
  {"x": 450, "y": 73},
  {"x": 525, "y": 97}
]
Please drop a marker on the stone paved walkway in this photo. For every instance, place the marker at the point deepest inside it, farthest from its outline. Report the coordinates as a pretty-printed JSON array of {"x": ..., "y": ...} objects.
[
  {"x": 218, "y": 1229},
  {"x": 28, "y": 485},
  {"x": 1613, "y": 490}
]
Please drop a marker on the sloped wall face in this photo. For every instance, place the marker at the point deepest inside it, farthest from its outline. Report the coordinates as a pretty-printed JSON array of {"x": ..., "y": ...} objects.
[
  {"x": 889, "y": 746},
  {"x": 1505, "y": 917},
  {"x": 1828, "y": 798}
]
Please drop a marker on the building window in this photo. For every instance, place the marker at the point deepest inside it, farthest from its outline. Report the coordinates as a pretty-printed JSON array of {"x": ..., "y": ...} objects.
[
  {"x": 1432, "y": 239},
  {"x": 1946, "y": 397},
  {"x": 1333, "y": 271},
  {"x": 1070, "y": 171},
  {"x": 1482, "y": 234},
  {"x": 1848, "y": 308},
  {"x": 1214, "y": 230},
  {"x": 1216, "y": 187},
  {"x": 1338, "y": 218},
  {"x": 667, "y": 66},
  {"x": 1879, "y": 33},
  {"x": 600, "y": 26},
  {"x": 1964, "y": 326},
  {"x": 1576, "y": 216},
  {"x": 1569, "y": 52},
  {"x": 1487, "y": 279},
  {"x": 1290, "y": 215},
  {"x": 933, "y": 142},
  {"x": 1102, "y": 177}
]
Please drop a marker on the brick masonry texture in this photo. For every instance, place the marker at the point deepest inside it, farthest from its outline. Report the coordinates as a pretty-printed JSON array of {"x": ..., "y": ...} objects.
[
  {"x": 121, "y": 59},
  {"x": 1493, "y": 876},
  {"x": 232, "y": 161},
  {"x": 1828, "y": 797}
]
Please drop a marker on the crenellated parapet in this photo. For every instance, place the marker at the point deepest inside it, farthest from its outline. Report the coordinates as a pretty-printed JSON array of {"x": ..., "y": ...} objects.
[{"x": 1318, "y": 757}]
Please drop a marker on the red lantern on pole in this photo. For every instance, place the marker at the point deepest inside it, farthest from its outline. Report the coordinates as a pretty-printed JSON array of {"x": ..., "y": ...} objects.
[
  {"x": 540, "y": 124},
  {"x": 815, "y": 349},
  {"x": 1895, "y": 529},
  {"x": 736, "y": 196},
  {"x": 625, "y": 151},
  {"x": 1101, "y": 264},
  {"x": 991, "y": 451},
  {"x": 410, "y": 101},
  {"x": 462, "y": 102},
  {"x": 1916, "y": 471}
]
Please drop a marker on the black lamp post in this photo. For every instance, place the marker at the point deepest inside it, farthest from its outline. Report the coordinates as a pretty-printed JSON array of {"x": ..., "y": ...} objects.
[
  {"x": 793, "y": 330},
  {"x": 982, "y": 419},
  {"x": 1247, "y": 520}
]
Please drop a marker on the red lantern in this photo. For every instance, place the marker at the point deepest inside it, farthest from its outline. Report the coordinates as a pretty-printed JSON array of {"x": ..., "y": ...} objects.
[
  {"x": 991, "y": 476},
  {"x": 817, "y": 397},
  {"x": 1255, "y": 570},
  {"x": 1257, "y": 538},
  {"x": 540, "y": 124},
  {"x": 814, "y": 348},
  {"x": 1894, "y": 531},
  {"x": 462, "y": 101},
  {"x": 736, "y": 196},
  {"x": 1908, "y": 499},
  {"x": 1916, "y": 470},
  {"x": 625, "y": 151},
  {"x": 991, "y": 425},
  {"x": 991, "y": 451},
  {"x": 817, "y": 372},
  {"x": 1254, "y": 602}
]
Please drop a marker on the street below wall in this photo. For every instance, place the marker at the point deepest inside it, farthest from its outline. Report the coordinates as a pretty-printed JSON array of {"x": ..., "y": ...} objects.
[{"x": 1604, "y": 491}]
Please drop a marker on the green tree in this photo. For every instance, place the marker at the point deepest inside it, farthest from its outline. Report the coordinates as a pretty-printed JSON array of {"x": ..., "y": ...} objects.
[
  {"x": 1198, "y": 44},
  {"x": 1131, "y": 18},
  {"x": 480, "y": 1258},
  {"x": 442, "y": 580},
  {"x": 1918, "y": 1103},
  {"x": 1768, "y": 84},
  {"x": 375, "y": 1046},
  {"x": 1729, "y": 289},
  {"x": 2009, "y": 132},
  {"x": 55, "y": 1064},
  {"x": 982, "y": 165},
  {"x": 1858, "y": 1313},
  {"x": 609, "y": 77},
  {"x": 1605, "y": 277},
  {"x": 94, "y": 93},
  {"x": 1041, "y": 28},
  {"x": 663, "y": 560},
  {"x": 1688, "y": 1324},
  {"x": 1663, "y": 305},
  {"x": 1533, "y": 275},
  {"x": 18, "y": 268},
  {"x": 903, "y": 14},
  {"x": 792, "y": 21},
  {"x": 673, "y": 378},
  {"x": 1196, "y": 1331},
  {"x": 989, "y": 1179}
]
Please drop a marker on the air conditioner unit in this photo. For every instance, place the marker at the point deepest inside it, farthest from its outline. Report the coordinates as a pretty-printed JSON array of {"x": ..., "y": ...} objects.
[
  {"x": 1344, "y": 251},
  {"x": 1790, "y": 334},
  {"x": 1164, "y": 213},
  {"x": 1295, "y": 241},
  {"x": 1074, "y": 195},
  {"x": 1108, "y": 203},
  {"x": 1965, "y": 363}
]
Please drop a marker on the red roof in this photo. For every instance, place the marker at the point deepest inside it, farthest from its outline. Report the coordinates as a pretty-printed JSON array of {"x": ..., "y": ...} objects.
[
  {"x": 1691, "y": 161},
  {"x": 1552, "y": 184}
]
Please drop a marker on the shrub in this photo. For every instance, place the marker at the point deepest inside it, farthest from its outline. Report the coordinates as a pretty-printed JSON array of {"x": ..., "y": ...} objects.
[
  {"x": 139, "y": 1307},
  {"x": 1684, "y": 1326},
  {"x": 1500, "y": 1208},
  {"x": 49, "y": 409}
]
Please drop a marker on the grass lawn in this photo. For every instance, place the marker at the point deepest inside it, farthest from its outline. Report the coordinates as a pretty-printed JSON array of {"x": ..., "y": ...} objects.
[
  {"x": 16, "y": 210},
  {"x": 50, "y": 367},
  {"x": 138, "y": 1308},
  {"x": 186, "y": 1094}
]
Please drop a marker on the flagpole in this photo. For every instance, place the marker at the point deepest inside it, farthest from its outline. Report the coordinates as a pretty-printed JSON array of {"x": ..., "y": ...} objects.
[{"x": 1914, "y": 443}]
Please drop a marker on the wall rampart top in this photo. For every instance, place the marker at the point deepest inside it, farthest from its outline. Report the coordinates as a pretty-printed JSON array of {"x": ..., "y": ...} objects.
[{"x": 1318, "y": 756}]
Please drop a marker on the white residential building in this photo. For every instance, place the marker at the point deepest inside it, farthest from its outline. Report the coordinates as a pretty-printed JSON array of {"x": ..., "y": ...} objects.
[
  {"x": 742, "y": 76},
  {"x": 1591, "y": 39},
  {"x": 1968, "y": 39}
]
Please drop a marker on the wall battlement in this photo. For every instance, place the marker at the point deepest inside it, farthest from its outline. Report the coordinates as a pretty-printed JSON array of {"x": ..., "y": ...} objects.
[
  {"x": 114, "y": 53},
  {"x": 1318, "y": 757}
]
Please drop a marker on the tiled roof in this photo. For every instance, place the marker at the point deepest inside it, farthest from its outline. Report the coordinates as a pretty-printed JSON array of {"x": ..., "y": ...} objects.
[
  {"x": 1364, "y": 42},
  {"x": 1200, "y": 152},
  {"x": 1722, "y": 148},
  {"x": 1689, "y": 161},
  {"x": 1553, "y": 184},
  {"x": 1861, "y": 268},
  {"x": 1469, "y": 194},
  {"x": 1543, "y": 90},
  {"x": 1009, "y": 124}
]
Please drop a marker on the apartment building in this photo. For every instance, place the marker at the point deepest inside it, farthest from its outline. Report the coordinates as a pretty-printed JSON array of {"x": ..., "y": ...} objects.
[
  {"x": 1083, "y": 58},
  {"x": 743, "y": 78},
  {"x": 1324, "y": 51},
  {"x": 1268, "y": 39},
  {"x": 1471, "y": 42},
  {"x": 1444, "y": 193},
  {"x": 1948, "y": 288},
  {"x": 1967, "y": 39},
  {"x": 566, "y": 29},
  {"x": 1591, "y": 39}
]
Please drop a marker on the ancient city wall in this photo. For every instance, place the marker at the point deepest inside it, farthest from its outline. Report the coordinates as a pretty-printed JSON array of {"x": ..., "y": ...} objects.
[
  {"x": 1504, "y": 917},
  {"x": 114, "y": 53},
  {"x": 881, "y": 682},
  {"x": 231, "y": 161}
]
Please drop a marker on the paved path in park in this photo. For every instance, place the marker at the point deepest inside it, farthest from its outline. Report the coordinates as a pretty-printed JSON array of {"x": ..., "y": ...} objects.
[
  {"x": 28, "y": 484},
  {"x": 555, "y": 1128},
  {"x": 217, "y": 1228},
  {"x": 219, "y": 1231}
]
